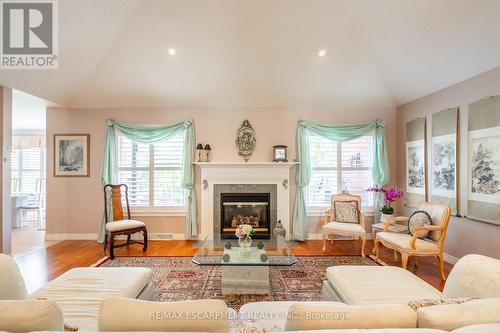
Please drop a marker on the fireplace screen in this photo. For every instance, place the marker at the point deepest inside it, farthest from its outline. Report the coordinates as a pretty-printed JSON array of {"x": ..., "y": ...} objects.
[{"x": 245, "y": 208}]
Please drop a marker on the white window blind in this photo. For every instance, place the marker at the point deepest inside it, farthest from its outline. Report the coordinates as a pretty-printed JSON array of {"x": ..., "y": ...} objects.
[
  {"x": 338, "y": 167},
  {"x": 152, "y": 172},
  {"x": 27, "y": 169}
]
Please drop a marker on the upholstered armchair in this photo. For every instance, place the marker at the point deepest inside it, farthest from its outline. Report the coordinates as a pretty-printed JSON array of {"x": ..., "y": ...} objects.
[
  {"x": 344, "y": 218},
  {"x": 408, "y": 245}
]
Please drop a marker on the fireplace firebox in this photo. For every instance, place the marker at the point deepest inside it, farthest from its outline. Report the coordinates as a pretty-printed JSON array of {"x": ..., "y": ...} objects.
[{"x": 245, "y": 208}]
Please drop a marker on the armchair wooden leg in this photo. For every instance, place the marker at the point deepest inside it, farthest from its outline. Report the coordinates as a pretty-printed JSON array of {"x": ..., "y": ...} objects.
[
  {"x": 441, "y": 267},
  {"x": 324, "y": 239},
  {"x": 145, "y": 234},
  {"x": 105, "y": 241},
  {"x": 112, "y": 246},
  {"x": 363, "y": 243},
  {"x": 404, "y": 260},
  {"x": 128, "y": 238},
  {"x": 376, "y": 247},
  {"x": 396, "y": 256}
]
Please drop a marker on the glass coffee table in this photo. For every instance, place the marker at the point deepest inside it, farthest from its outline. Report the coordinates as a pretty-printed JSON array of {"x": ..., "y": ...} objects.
[{"x": 245, "y": 270}]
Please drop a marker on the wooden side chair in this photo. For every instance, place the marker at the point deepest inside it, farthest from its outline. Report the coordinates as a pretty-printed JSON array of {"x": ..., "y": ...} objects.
[
  {"x": 430, "y": 246},
  {"x": 345, "y": 218},
  {"x": 118, "y": 224}
]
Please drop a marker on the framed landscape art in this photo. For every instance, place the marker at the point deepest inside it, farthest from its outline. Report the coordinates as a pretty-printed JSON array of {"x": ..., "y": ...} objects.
[
  {"x": 71, "y": 155},
  {"x": 416, "y": 172},
  {"x": 444, "y": 168},
  {"x": 484, "y": 160}
]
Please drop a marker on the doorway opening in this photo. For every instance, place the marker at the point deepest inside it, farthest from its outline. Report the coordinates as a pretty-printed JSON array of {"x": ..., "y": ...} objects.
[{"x": 28, "y": 173}]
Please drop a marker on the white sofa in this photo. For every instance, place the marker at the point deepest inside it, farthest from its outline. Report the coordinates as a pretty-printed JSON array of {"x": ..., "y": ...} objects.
[
  {"x": 78, "y": 292},
  {"x": 473, "y": 276}
]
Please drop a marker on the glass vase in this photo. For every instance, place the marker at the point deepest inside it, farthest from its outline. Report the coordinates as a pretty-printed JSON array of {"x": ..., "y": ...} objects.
[{"x": 245, "y": 241}]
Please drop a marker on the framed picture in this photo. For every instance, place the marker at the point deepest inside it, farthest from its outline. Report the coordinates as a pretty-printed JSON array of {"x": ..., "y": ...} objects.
[
  {"x": 415, "y": 170},
  {"x": 444, "y": 162},
  {"x": 483, "y": 197},
  {"x": 71, "y": 155},
  {"x": 484, "y": 157},
  {"x": 416, "y": 162},
  {"x": 443, "y": 174}
]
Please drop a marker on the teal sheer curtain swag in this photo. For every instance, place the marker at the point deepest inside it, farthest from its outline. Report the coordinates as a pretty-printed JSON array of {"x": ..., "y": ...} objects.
[
  {"x": 380, "y": 164},
  {"x": 148, "y": 135}
]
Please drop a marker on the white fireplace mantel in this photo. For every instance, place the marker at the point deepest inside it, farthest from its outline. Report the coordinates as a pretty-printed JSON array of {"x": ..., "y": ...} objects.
[{"x": 213, "y": 173}]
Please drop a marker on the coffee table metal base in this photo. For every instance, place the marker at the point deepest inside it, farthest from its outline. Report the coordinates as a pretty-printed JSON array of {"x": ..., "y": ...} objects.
[{"x": 245, "y": 280}]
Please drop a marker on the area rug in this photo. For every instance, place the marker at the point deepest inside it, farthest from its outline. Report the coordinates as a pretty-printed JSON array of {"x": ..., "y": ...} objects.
[{"x": 178, "y": 278}]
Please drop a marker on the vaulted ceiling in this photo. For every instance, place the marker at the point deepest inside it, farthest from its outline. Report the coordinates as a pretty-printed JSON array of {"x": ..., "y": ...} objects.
[{"x": 263, "y": 53}]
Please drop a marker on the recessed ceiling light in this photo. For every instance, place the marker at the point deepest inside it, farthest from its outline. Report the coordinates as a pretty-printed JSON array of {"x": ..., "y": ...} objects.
[
  {"x": 322, "y": 53},
  {"x": 171, "y": 51}
]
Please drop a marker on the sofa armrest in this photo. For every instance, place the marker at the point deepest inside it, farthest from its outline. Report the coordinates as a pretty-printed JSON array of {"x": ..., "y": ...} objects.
[{"x": 30, "y": 315}]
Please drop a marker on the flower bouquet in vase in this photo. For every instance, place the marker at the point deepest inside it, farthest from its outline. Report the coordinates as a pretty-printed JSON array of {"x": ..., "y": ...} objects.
[
  {"x": 244, "y": 232},
  {"x": 390, "y": 195}
]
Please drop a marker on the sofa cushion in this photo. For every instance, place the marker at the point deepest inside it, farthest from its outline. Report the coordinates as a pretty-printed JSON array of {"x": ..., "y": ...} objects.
[
  {"x": 362, "y": 285},
  {"x": 123, "y": 225},
  {"x": 30, "y": 315},
  {"x": 483, "y": 328},
  {"x": 345, "y": 228},
  {"x": 12, "y": 284},
  {"x": 401, "y": 242},
  {"x": 452, "y": 316},
  {"x": 125, "y": 314},
  {"x": 270, "y": 315},
  {"x": 342, "y": 316},
  {"x": 80, "y": 291},
  {"x": 474, "y": 276}
]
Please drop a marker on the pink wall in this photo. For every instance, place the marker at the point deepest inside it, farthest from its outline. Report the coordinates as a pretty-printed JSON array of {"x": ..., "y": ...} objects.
[
  {"x": 74, "y": 205},
  {"x": 464, "y": 235}
]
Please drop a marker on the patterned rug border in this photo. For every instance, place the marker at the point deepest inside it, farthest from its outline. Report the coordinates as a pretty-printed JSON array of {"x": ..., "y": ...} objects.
[{"x": 106, "y": 258}]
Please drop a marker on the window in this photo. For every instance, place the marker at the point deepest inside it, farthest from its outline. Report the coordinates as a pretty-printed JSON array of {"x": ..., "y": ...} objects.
[
  {"x": 27, "y": 167},
  {"x": 338, "y": 167},
  {"x": 152, "y": 172}
]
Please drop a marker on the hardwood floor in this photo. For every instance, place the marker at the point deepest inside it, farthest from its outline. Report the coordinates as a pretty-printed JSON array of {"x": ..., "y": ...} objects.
[{"x": 46, "y": 264}]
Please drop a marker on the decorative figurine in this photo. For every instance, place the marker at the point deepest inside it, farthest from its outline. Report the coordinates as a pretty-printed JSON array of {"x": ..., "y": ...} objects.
[
  {"x": 245, "y": 140},
  {"x": 207, "y": 153},
  {"x": 279, "y": 153},
  {"x": 226, "y": 257},
  {"x": 260, "y": 245},
  {"x": 264, "y": 257},
  {"x": 199, "y": 151},
  {"x": 279, "y": 230},
  {"x": 227, "y": 245}
]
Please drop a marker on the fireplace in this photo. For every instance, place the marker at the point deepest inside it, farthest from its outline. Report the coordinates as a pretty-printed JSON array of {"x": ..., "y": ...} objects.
[{"x": 245, "y": 208}]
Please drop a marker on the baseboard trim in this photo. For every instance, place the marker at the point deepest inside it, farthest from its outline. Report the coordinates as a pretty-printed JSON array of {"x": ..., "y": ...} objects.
[
  {"x": 450, "y": 259},
  {"x": 83, "y": 236}
]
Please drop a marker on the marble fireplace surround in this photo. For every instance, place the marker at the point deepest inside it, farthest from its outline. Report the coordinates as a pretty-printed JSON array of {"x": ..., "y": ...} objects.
[
  {"x": 243, "y": 177},
  {"x": 244, "y": 188}
]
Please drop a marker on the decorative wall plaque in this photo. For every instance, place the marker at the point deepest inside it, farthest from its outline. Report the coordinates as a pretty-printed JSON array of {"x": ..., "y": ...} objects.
[{"x": 245, "y": 140}]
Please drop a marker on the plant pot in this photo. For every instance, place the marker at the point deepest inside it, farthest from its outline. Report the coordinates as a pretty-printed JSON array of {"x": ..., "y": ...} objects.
[{"x": 387, "y": 218}]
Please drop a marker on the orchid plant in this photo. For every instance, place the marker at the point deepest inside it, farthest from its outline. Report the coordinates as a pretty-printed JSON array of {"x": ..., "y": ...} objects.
[
  {"x": 243, "y": 231},
  {"x": 390, "y": 195}
]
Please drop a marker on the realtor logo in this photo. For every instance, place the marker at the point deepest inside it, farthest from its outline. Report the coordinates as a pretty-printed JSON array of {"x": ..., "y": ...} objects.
[{"x": 29, "y": 34}]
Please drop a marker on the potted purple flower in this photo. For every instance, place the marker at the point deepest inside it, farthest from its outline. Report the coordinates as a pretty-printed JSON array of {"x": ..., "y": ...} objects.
[{"x": 390, "y": 195}]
